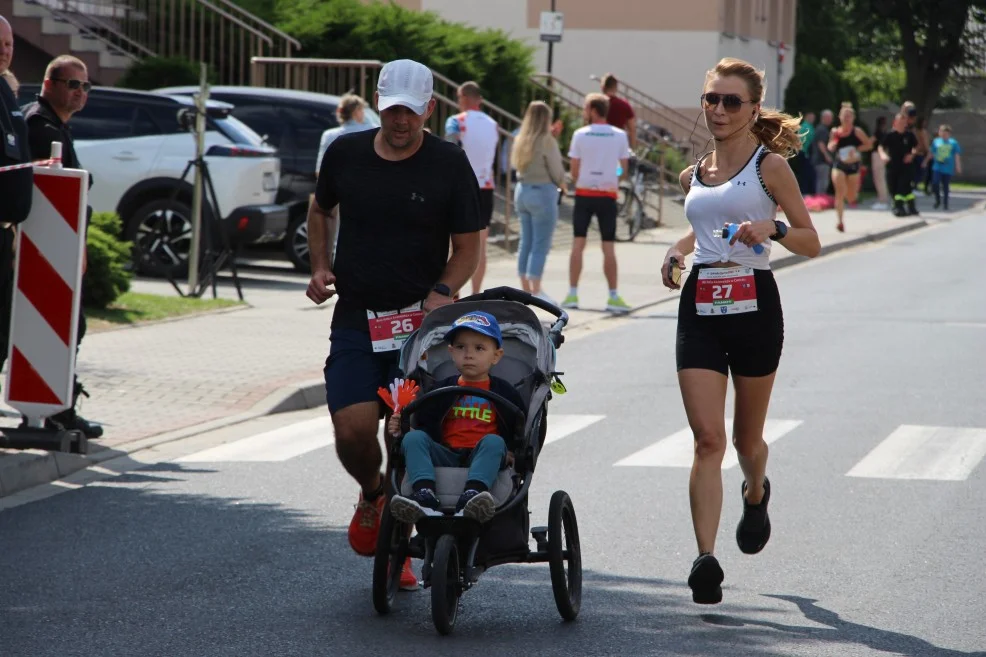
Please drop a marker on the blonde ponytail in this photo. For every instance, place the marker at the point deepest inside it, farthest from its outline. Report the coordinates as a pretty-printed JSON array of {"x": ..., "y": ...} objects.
[{"x": 778, "y": 132}]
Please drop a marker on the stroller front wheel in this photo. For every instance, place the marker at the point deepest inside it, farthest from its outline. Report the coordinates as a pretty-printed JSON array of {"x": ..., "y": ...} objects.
[
  {"x": 564, "y": 555},
  {"x": 445, "y": 588},
  {"x": 388, "y": 561}
]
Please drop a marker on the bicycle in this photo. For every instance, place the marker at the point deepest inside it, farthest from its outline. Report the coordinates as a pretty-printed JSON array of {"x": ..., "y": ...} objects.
[{"x": 633, "y": 195}]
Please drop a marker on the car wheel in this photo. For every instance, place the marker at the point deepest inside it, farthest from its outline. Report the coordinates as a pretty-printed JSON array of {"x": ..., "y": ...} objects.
[
  {"x": 161, "y": 232},
  {"x": 296, "y": 243}
]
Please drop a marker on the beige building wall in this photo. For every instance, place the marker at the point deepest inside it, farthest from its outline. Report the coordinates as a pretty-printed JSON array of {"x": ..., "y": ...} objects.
[{"x": 662, "y": 47}]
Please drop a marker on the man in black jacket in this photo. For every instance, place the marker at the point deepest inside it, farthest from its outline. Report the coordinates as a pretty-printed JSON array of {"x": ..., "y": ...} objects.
[
  {"x": 63, "y": 93},
  {"x": 16, "y": 188}
]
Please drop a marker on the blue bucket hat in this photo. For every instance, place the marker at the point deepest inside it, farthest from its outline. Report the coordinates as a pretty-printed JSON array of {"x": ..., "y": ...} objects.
[{"x": 479, "y": 322}]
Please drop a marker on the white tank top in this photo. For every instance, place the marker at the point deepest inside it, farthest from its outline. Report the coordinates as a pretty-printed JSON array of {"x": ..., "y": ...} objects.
[{"x": 744, "y": 197}]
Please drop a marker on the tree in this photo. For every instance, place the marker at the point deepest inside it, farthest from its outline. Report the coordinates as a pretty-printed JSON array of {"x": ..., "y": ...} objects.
[{"x": 935, "y": 38}]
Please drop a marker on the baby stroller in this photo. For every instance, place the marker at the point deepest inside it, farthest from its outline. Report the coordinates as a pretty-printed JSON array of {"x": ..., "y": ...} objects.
[{"x": 457, "y": 550}]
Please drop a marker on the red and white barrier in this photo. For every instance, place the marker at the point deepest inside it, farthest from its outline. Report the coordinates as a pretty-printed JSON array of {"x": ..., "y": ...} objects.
[{"x": 47, "y": 293}]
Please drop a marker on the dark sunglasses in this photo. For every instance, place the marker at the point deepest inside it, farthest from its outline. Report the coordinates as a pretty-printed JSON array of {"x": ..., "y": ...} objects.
[
  {"x": 730, "y": 102},
  {"x": 75, "y": 84}
]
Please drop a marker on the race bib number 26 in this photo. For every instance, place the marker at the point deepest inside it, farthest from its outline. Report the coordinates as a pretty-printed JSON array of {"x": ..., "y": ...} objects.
[
  {"x": 725, "y": 291},
  {"x": 389, "y": 329}
]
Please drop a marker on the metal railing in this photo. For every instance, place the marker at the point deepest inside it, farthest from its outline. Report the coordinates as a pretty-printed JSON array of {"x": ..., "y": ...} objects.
[
  {"x": 217, "y": 32},
  {"x": 359, "y": 76},
  {"x": 685, "y": 132}
]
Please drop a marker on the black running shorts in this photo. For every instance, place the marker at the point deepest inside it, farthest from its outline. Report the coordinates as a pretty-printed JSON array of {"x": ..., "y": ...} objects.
[
  {"x": 605, "y": 210},
  {"x": 485, "y": 208},
  {"x": 749, "y": 344}
]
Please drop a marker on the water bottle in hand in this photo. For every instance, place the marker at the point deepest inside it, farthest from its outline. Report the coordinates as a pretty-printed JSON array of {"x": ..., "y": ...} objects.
[{"x": 727, "y": 233}]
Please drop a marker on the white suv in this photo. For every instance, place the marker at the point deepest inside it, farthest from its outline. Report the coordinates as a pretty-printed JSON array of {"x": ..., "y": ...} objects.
[{"x": 136, "y": 150}]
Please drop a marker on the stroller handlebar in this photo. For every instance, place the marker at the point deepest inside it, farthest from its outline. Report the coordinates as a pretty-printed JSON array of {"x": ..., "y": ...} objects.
[
  {"x": 506, "y": 293},
  {"x": 514, "y": 416}
]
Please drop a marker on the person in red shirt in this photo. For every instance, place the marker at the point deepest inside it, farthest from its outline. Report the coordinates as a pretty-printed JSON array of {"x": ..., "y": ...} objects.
[
  {"x": 620, "y": 111},
  {"x": 467, "y": 432}
]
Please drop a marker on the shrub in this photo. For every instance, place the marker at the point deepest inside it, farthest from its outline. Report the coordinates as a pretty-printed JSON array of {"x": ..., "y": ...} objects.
[
  {"x": 107, "y": 275},
  {"x": 349, "y": 29},
  {"x": 156, "y": 72},
  {"x": 813, "y": 87}
]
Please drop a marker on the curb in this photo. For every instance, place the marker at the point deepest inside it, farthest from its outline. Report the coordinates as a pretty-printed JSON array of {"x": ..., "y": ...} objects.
[{"x": 23, "y": 469}]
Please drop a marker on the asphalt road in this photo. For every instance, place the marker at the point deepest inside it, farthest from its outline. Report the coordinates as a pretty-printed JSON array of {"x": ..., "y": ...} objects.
[{"x": 879, "y": 495}]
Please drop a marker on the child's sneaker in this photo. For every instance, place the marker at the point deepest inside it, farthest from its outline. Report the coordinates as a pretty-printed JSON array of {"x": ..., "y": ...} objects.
[
  {"x": 476, "y": 505},
  {"x": 409, "y": 510},
  {"x": 617, "y": 305},
  {"x": 571, "y": 301}
]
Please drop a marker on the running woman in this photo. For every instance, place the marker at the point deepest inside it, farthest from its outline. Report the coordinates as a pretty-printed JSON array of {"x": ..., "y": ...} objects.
[
  {"x": 847, "y": 142},
  {"x": 729, "y": 315}
]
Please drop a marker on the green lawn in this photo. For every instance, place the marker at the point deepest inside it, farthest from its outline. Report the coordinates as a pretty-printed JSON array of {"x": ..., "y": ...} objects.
[
  {"x": 133, "y": 308},
  {"x": 967, "y": 187}
]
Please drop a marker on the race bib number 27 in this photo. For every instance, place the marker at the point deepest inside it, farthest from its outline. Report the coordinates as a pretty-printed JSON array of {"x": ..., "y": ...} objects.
[
  {"x": 725, "y": 291},
  {"x": 390, "y": 328}
]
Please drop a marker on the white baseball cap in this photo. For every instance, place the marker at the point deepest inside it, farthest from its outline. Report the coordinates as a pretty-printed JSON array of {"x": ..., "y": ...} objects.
[{"x": 405, "y": 82}]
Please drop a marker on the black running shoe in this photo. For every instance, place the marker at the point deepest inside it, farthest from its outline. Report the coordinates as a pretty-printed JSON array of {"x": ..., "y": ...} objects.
[
  {"x": 753, "y": 530},
  {"x": 705, "y": 580}
]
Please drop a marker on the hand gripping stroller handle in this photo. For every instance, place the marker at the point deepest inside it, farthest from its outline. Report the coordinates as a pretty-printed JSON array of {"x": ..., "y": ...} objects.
[
  {"x": 506, "y": 293},
  {"x": 513, "y": 416}
]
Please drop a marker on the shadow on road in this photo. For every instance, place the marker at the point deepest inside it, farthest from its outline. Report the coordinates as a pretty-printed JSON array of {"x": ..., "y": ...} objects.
[{"x": 166, "y": 561}]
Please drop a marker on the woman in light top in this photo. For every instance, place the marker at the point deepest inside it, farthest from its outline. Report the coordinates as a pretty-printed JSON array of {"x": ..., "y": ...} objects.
[
  {"x": 541, "y": 178},
  {"x": 729, "y": 314},
  {"x": 351, "y": 114}
]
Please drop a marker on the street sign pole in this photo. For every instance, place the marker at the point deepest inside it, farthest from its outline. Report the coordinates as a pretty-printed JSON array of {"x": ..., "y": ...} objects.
[
  {"x": 551, "y": 44},
  {"x": 551, "y": 30}
]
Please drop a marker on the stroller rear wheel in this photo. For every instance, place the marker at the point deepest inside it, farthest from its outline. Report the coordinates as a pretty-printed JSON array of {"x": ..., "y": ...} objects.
[
  {"x": 388, "y": 561},
  {"x": 564, "y": 555},
  {"x": 445, "y": 588}
]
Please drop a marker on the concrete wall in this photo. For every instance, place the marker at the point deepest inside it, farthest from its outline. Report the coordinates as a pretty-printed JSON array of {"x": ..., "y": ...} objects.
[{"x": 662, "y": 47}]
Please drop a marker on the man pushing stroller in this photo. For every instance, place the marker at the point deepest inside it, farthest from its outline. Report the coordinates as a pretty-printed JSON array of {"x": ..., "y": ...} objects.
[{"x": 465, "y": 431}]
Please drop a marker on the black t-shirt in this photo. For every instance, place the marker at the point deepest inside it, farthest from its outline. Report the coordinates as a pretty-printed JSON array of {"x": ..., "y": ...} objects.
[
  {"x": 395, "y": 220},
  {"x": 44, "y": 127},
  {"x": 897, "y": 145}
]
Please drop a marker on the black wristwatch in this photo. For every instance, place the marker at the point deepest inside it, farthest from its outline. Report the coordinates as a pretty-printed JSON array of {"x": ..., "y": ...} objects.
[
  {"x": 781, "y": 233},
  {"x": 442, "y": 289}
]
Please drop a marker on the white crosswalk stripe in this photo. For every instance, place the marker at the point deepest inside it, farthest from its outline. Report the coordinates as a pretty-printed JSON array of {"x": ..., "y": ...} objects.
[
  {"x": 676, "y": 450},
  {"x": 278, "y": 444},
  {"x": 302, "y": 437},
  {"x": 560, "y": 426},
  {"x": 919, "y": 452}
]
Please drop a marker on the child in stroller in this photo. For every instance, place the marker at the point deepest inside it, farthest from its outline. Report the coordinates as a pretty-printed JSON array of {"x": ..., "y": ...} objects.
[{"x": 465, "y": 432}]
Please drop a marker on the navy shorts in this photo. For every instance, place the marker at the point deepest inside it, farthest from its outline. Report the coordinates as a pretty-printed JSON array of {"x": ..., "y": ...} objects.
[{"x": 353, "y": 372}]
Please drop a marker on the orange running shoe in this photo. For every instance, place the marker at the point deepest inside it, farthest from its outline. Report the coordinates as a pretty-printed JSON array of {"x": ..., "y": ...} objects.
[
  {"x": 409, "y": 581},
  {"x": 365, "y": 525}
]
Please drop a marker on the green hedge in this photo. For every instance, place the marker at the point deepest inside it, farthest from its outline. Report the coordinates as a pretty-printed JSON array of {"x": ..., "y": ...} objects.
[
  {"x": 109, "y": 257},
  {"x": 349, "y": 29},
  {"x": 156, "y": 72}
]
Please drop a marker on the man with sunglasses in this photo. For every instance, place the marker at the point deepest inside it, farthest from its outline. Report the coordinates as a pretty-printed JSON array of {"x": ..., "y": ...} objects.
[{"x": 64, "y": 92}]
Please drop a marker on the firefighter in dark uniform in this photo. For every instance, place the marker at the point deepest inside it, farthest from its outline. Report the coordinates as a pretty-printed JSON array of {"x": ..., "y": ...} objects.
[{"x": 63, "y": 93}]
